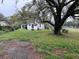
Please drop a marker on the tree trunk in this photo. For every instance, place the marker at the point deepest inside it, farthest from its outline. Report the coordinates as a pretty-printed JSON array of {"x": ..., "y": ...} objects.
[{"x": 57, "y": 30}]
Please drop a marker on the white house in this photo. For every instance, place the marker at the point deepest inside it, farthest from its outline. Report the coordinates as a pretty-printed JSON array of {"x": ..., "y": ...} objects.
[{"x": 33, "y": 26}]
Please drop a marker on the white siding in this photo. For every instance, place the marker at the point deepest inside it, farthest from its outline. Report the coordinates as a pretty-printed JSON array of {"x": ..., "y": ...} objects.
[
  {"x": 35, "y": 27},
  {"x": 29, "y": 27}
]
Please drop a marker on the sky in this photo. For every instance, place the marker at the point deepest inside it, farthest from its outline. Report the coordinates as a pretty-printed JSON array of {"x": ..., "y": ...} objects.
[{"x": 9, "y": 7}]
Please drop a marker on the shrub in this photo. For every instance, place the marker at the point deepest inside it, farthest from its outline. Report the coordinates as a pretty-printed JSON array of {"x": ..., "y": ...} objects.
[
  {"x": 6, "y": 28},
  {"x": 64, "y": 31}
]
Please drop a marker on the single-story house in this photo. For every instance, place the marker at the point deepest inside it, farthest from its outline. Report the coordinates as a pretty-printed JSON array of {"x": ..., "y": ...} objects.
[{"x": 33, "y": 26}]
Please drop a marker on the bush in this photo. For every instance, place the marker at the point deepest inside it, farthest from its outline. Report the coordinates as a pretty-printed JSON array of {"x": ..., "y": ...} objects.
[
  {"x": 6, "y": 28},
  {"x": 64, "y": 31},
  {"x": 16, "y": 27}
]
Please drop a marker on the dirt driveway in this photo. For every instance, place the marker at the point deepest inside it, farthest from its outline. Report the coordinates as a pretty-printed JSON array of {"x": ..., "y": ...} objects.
[{"x": 18, "y": 50}]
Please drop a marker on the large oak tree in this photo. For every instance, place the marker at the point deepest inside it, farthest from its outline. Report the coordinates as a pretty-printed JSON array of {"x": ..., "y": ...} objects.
[{"x": 60, "y": 9}]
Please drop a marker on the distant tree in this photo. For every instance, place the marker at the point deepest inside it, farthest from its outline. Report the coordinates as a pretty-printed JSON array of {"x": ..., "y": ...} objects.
[
  {"x": 2, "y": 17},
  {"x": 25, "y": 15},
  {"x": 22, "y": 16}
]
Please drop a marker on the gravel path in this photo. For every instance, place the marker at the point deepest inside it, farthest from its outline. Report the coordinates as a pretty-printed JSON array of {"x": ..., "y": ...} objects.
[{"x": 18, "y": 50}]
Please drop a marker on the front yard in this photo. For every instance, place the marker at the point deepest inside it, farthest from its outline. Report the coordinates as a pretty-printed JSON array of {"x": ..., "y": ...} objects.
[{"x": 54, "y": 47}]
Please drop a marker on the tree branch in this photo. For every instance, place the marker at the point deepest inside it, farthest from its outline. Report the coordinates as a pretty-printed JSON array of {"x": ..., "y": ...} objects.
[
  {"x": 49, "y": 22},
  {"x": 52, "y": 10},
  {"x": 68, "y": 2},
  {"x": 76, "y": 11},
  {"x": 63, "y": 1},
  {"x": 52, "y": 2},
  {"x": 69, "y": 12}
]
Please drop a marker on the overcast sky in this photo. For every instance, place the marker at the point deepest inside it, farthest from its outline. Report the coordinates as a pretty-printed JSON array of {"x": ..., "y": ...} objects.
[{"x": 8, "y": 7}]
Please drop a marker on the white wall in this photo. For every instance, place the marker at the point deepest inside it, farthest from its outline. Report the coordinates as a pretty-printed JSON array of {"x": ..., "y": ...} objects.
[{"x": 29, "y": 27}]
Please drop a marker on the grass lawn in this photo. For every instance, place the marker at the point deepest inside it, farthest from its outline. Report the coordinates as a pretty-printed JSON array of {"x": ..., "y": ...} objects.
[
  {"x": 49, "y": 44},
  {"x": 2, "y": 32}
]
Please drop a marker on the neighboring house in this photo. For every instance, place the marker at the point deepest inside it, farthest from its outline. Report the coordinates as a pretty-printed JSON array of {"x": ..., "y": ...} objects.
[
  {"x": 4, "y": 23},
  {"x": 33, "y": 26}
]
